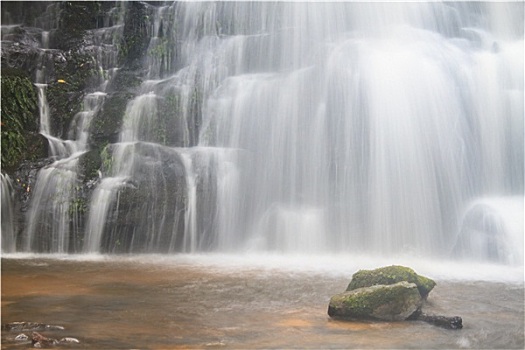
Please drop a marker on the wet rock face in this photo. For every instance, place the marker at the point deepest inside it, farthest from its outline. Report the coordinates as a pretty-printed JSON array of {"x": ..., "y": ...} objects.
[
  {"x": 395, "y": 302},
  {"x": 391, "y": 275},
  {"x": 23, "y": 12}
]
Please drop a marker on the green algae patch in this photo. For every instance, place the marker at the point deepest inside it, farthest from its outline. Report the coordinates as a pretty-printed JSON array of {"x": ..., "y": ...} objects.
[
  {"x": 391, "y": 275},
  {"x": 394, "y": 302},
  {"x": 19, "y": 119}
]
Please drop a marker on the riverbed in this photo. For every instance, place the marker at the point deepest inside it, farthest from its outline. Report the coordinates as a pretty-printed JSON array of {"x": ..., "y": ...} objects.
[{"x": 159, "y": 302}]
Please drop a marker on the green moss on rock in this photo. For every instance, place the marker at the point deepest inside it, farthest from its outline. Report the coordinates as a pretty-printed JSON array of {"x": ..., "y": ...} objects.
[
  {"x": 65, "y": 95},
  {"x": 75, "y": 18},
  {"x": 136, "y": 36},
  {"x": 19, "y": 117},
  {"x": 391, "y": 275},
  {"x": 105, "y": 126},
  {"x": 89, "y": 164},
  {"x": 394, "y": 302}
]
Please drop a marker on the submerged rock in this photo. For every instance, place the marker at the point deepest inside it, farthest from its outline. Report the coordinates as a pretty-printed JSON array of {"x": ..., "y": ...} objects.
[
  {"x": 394, "y": 302},
  {"x": 30, "y": 326},
  {"x": 21, "y": 337},
  {"x": 454, "y": 322},
  {"x": 69, "y": 340},
  {"x": 39, "y": 341},
  {"x": 391, "y": 275}
]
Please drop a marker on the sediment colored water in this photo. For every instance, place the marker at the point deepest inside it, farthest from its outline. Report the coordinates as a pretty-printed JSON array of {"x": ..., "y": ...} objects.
[{"x": 171, "y": 303}]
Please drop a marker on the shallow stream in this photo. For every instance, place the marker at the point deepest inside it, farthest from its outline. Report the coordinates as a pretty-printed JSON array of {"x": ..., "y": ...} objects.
[{"x": 158, "y": 302}]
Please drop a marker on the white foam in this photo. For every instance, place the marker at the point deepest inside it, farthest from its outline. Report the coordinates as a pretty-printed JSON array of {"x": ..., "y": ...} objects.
[{"x": 332, "y": 265}]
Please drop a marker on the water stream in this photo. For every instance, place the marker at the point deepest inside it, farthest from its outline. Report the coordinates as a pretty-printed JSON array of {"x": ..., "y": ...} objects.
[
  {"x": 9, "y": 226},
  {"x": 247, "y": 302}
]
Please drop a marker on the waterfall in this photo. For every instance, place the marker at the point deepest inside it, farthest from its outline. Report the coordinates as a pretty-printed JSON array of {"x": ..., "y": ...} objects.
[
  {"x": 55, "y": 212},
  {"x": 57, "y": 148},
  {"x": 367, "y": 127},
  {"x": 381, "y": 128},
  {"x": 491, "y": 230},
  {"x": 9, "y": 226},
  {"x": 52, "y": 214}
]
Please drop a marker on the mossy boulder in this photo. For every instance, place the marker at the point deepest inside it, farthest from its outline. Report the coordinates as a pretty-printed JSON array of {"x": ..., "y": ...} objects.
[
  {"x": 391, "y": 275},
  {"x": 394, "y": 302}
]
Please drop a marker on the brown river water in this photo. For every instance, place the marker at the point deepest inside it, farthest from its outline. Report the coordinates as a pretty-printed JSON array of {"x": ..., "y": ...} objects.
[{"x": 155, "y": 302}]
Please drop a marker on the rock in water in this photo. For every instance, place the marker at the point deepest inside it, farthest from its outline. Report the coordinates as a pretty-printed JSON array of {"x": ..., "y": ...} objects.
[
  {"x": 39, "y": 341},
  {"x": 69, "y": 340},
  {"x": 21, "y": 337},
  {"x": 454, "y": 322},
  {"x": 390, "y": 275},
  {"x": 393, "y": 302}
]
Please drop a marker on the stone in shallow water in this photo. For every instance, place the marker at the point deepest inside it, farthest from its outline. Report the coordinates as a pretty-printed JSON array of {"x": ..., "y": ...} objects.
[
  {"x": 69, "y": 340},
  {"x": 40, "y": 341},
  {"x": 454, "y": 322},
  {"x": 21, "y": 337},
  {"x": 393, "y": 302}
]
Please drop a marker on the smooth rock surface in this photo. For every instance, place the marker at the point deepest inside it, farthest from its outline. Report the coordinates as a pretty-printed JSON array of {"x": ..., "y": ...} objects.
[
  {"x": 390, "y": 275},
  {"x": 393, "y": 302}
]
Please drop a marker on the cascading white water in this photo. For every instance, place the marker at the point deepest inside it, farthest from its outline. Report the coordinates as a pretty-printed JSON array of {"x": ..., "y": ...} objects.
[
  {"x": 57, "y": 148},
  {"x": 491, "y": 230},
  {"x": 53, "y": 216},
  {"x": 103, "y": 197},
  {"x": 52, "y": 208},
  {"x": 321, "y": 127},
  {"x": 332, "y": 126},
  {"x": 9, "y": 226},
  {"x": 375, "y": 123}
]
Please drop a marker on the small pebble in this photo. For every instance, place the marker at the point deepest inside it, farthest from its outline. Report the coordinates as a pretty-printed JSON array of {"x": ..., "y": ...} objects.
[
  {"x": 21, "y": 337},
  {"x": 69, "y": 340}
]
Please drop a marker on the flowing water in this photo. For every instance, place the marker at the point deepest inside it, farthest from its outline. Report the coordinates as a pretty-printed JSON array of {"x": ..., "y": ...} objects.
[
  {"x": 54, "y": 208},
  {"x": 305, "y": 127},
  {"x": 247, "y": 302},
  {"x": 9, "y": 226}
]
